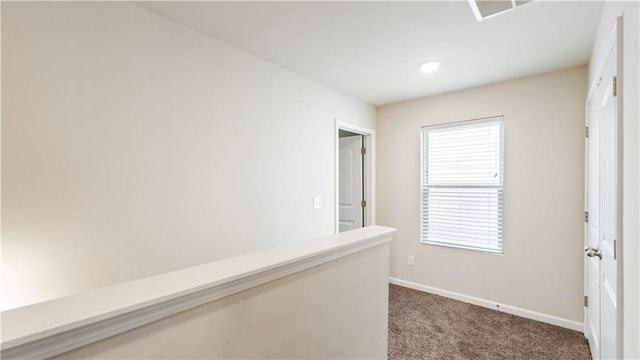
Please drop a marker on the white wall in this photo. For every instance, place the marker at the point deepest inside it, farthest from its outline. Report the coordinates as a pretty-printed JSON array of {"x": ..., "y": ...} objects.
[
  {"x": 132, "y": 146},
  {"x": 541, "y": 269},
  {"x": 631, "y": 156}
]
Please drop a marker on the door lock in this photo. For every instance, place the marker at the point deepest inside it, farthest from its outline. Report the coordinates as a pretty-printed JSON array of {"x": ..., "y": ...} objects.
[{"x": 591, "y": 252}]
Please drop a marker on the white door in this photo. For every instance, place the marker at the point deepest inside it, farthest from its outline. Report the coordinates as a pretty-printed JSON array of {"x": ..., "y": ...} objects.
[
  {"x": 593, "y": 229},
  {"x": 602, "y": 204},
  {"x": 350, "y": 183}
]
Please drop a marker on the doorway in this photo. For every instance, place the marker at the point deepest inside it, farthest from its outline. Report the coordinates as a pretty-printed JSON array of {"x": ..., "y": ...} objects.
[
  {"x": 354, "y": 170},
  {"x": 351, "y": 200},
  {"x": 603, "y": 216}
]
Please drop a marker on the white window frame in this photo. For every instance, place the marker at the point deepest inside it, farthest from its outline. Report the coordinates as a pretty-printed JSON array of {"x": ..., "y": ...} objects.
[{"x": 498, "y": 119}]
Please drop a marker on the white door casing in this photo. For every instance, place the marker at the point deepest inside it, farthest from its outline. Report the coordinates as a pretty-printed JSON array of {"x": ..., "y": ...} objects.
[
  {"x": 602, "y": 205},
  {"x": 350, "y": 183}
]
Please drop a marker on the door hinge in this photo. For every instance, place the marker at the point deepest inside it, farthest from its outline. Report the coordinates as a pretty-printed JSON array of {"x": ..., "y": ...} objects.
[
  {"x": 615, "y": 250},
  {"x": 363, "y": 203},
  {"x": 363, "y": 150},
  {"x": 615, "y": 86},
  {"x": 586, "y": 301},
  {"x": 586, "y": 216},
  {"x": 586, "y": 132}
]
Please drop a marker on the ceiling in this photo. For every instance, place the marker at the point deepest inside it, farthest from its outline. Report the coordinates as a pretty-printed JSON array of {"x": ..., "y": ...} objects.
[{"x": 371, "y": 50}]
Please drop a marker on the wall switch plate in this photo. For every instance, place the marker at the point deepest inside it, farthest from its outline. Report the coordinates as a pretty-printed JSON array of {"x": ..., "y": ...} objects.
[
  {"x": 317, "y": 202},
  {"x": 411, "y": 260}
]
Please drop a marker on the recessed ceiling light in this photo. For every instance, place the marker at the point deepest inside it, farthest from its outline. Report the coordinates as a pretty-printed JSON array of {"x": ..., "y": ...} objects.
[{"x": 429, "y": 66}]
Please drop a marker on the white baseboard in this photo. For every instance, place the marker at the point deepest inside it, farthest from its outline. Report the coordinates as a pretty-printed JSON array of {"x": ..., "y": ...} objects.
[{"x": 533, "y": 315}]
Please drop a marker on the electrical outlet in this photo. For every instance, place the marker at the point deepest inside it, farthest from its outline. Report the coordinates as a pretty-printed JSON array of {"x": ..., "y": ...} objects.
[
  {"x": 317, "y": 202},
  {"x": 411, "y": 260}
]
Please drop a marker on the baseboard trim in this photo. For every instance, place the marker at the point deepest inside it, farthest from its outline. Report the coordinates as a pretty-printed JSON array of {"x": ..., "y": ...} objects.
[{"x": 533, "y": 315}]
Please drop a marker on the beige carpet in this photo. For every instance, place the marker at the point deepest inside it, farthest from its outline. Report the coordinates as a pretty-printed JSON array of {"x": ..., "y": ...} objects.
[{"x": 425, "y": 326}]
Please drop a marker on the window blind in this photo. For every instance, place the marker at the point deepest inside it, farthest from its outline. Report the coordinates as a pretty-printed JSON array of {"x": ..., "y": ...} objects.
[{"x": 462, "y": 184}]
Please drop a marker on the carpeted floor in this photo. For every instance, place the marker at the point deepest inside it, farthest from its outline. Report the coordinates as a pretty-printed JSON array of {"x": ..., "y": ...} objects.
[{"x": 425, "y": 326}]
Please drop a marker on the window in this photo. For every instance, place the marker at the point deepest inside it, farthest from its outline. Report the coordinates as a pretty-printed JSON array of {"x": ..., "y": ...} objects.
[{"x": 462, "y": 184}]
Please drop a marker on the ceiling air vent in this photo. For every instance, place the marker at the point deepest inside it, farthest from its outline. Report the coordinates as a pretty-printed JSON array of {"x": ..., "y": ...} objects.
[{"x": 484, "y": 9}]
